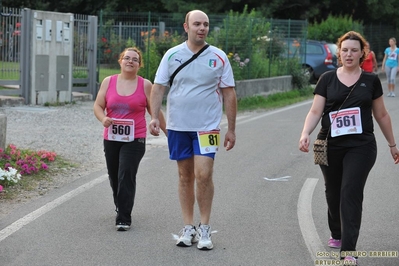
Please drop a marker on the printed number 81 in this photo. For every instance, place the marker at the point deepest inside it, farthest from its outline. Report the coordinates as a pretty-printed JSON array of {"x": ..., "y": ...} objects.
[{"x": 213, "y": 140}]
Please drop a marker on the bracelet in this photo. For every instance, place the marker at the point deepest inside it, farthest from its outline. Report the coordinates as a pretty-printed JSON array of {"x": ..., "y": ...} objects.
[{"x": 391, "y": 146}]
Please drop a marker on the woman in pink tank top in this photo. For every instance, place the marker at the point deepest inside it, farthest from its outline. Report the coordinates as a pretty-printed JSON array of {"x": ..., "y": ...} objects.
[{"x": 121, "y": 105}]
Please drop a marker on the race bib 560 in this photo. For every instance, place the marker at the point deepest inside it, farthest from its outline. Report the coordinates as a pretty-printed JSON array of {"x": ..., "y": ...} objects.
[{"x": 121, "y": 130}]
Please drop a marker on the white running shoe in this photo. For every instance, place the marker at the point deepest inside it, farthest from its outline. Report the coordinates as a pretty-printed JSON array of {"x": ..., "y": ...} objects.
[
  {"x": 393, "y": 94},
  {"x": 122, "y": 227},
  {"x": 187, "y": 236},
  {"x": 204, "y": 237}
]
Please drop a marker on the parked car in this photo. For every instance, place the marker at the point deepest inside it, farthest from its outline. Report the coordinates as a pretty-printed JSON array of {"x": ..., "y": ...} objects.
[{"x": 317, "y": 57}]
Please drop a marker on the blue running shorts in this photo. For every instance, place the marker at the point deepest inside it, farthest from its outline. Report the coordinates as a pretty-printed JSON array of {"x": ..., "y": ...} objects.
[{"x": 184, "y": 145}]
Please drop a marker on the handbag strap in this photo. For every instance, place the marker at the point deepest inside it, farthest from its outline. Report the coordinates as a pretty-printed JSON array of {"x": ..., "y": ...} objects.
[
  {"x": 329, "y": 128},
  {"x": 186, "y": 63}
]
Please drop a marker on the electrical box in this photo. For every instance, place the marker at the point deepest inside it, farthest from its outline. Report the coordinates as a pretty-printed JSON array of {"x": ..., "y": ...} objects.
[
  {"x": 58, "y": 31},
  {"x": 62, "y": 81},
  {"x": 66, "y": 31},
  {"x": 48, "y": 30},
  {"x": 42, "y": 74},
  {"x": 39, "y": 29},
  {"x": 51, "y": 64}
]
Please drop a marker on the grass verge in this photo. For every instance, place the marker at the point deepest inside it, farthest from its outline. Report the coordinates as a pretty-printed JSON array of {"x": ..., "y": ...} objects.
[{"x": 276, "y": 100}]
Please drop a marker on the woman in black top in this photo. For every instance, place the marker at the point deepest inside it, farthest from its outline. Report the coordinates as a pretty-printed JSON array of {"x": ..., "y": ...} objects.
[{"x": 352, "y": 148}]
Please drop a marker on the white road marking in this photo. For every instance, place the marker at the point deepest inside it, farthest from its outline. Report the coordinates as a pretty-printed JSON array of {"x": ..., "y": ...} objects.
[
  {"x": 283, "y": 178},
  {"x": 12, "y": 228},
  {"x": 305, "y": 218}
]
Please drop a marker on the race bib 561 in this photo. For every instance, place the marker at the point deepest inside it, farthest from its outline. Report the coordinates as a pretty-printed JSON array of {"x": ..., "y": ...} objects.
[{"x": 347, "y": 121}]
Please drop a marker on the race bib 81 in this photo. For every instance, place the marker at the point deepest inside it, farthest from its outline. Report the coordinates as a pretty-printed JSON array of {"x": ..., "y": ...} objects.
[{"x": 209, "y": 141}]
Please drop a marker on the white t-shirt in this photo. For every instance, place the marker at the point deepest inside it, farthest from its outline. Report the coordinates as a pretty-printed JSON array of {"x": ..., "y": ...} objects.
[{"x": 194, "y": 101}]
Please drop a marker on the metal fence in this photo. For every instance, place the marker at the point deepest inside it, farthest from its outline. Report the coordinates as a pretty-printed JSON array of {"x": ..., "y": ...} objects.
[
  {"x": 259, "y": 40},
  {"x": 85, "y": 41},
  {"x": 10, "y": 47},
  {"x": 254, "y": 45}
]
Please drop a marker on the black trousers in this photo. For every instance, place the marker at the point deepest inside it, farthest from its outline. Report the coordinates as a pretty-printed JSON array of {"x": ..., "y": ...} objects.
[
  {"x": 123, "y": 159},
  {"x": 345, "y": 179}
]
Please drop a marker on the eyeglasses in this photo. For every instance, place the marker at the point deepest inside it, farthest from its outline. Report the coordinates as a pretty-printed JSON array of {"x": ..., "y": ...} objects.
[{"x": 127, "y": 58}]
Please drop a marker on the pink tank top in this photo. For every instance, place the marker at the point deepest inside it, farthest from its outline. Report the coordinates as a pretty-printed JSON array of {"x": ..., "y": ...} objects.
[{"x": 127, "y": 107}]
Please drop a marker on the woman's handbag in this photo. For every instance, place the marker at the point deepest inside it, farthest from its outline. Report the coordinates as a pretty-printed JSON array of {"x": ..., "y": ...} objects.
[
  {"x": 320, "y": 145},
  {"x": 320, "y": 152}
]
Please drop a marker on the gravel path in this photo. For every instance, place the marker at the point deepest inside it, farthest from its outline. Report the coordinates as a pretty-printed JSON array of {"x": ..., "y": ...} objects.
[{"x": 72, "y": 131}]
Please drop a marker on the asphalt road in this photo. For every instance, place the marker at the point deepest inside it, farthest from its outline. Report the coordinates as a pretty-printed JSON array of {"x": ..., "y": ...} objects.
[{"x": 269, "y": 208}]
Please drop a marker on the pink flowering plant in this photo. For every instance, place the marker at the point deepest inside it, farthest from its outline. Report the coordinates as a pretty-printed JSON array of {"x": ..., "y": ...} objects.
[
  {"x": 16, "y": 163},
  {"x": 239, "y": 66}
]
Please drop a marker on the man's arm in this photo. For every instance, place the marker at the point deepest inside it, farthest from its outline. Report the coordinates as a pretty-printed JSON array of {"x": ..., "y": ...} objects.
[
  {"x": 230, "y": 106},
  {"x": 156, "y": 97}
]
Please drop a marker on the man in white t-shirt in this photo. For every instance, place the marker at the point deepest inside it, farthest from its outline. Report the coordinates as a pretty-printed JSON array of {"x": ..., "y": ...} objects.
[{"x": 194, "y": 111}]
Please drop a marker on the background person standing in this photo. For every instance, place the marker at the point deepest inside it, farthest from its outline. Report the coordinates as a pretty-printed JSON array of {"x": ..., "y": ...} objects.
[
  {"x": 370, "y": 62},
  {"x": 194, "y": 111},
  {"x": 120, "y": 106},
  {"x": 390, "y": 65}
]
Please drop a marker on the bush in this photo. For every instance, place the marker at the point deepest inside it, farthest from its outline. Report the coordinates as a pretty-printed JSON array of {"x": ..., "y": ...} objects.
[
  {"x": 332, "y": 28},
  {"x": 299, "y": 80}
]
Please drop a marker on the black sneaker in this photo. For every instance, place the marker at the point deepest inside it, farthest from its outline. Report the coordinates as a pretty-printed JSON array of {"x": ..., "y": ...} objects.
[{"x": 122, "y": 227}]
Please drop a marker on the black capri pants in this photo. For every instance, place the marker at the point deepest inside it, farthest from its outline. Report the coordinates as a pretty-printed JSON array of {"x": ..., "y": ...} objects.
[
  {"x": 345, "y": 179},
  {"x": 123, "y": 159}
]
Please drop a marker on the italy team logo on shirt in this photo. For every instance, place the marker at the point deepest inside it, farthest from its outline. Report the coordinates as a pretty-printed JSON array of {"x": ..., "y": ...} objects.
[{"x": 212, "y": 62}]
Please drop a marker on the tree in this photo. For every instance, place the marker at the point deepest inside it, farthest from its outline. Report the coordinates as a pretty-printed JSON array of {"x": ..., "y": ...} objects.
[
  {"x": 368, "y": 11},
  {"x": 183, "y": 6},
  {"x": 382, "y": 11},
  {"x": 330, "y": 29}
]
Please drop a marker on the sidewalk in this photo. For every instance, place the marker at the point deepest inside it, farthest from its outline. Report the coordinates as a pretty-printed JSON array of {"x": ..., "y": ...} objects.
[{"x": 18, "y": 101}]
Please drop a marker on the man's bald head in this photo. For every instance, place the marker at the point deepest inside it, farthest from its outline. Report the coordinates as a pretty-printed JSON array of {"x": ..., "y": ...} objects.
[{"x": 192, "y": 12}]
